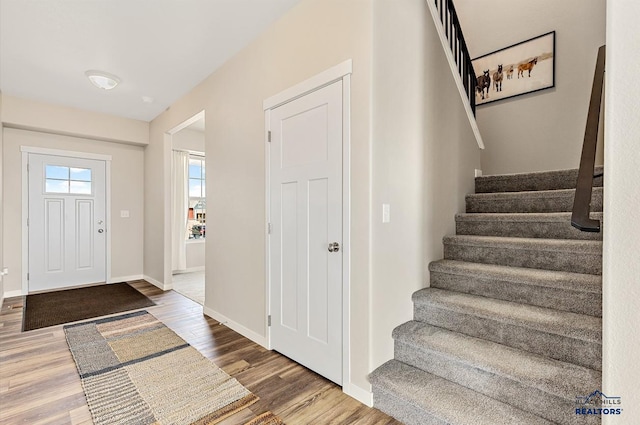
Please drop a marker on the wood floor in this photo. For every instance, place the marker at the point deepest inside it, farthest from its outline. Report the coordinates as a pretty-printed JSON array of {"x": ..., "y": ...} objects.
[
  {"x": 191, "y": 285},
  {"x": 39, "y": 383}
]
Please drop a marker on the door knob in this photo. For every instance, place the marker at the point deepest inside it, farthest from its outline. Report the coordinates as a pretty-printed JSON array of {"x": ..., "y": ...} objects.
[
  {"x": 100, "y": 230},
  {"x": 334, "y": 247}
]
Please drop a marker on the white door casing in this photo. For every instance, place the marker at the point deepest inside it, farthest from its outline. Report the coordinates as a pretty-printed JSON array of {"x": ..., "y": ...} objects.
[
  {"x": 306, "y": 213},
  {"x": 67, "y": 222}
]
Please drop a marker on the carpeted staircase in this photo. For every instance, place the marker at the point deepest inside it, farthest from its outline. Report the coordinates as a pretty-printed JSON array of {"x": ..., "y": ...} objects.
[{"x": 510, "y": 331}]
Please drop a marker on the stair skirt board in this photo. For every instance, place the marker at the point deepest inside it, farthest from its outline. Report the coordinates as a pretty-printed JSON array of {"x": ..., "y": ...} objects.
[{"x": 510, "y": 329}]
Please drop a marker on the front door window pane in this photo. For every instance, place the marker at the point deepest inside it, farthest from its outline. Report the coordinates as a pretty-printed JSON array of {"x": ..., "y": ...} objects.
[
  {"x": 81, "y": 174},
  {"x": 80, "y": 188},
  {"x": 57, "y": 172},
  {"x": 57, "y": 186}
]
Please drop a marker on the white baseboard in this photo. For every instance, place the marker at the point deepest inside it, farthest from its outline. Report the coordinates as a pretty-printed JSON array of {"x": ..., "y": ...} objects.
[
  {"x": 246, "y": 332},
  {"x": 359, "y": 393},
  {"x": 157, "y": 283},
  {"x": 126, "y": 278},
  {"x": 15, "y": 293},
  {"x": 352, "y": 390}
]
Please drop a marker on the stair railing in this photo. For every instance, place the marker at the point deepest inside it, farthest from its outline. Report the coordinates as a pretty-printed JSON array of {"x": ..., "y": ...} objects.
[
  {"x": 582, "y": 202},
  {"x": 449, "y": 30}
]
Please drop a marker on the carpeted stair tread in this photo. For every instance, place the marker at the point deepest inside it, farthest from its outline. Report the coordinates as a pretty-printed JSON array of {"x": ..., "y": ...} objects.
[
  {"x": 574, "y": 292},
  {"x": 544, "y": 201},
  {"x": 416, "y": 397},
  {"x": 572, "y": 325},
  {"x": 545, "y": 180},
  {"x": 521, "y": 379},
  {"x": 561, "y": 379},
  {"x": 580, "y": 256},
  {"x": 560, "y": 335},
  {"x": 524, "y": 225}
]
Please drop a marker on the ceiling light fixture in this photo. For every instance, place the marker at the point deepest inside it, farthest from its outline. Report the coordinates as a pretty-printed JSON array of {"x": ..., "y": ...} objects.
[{"x": 102, "y": 80}]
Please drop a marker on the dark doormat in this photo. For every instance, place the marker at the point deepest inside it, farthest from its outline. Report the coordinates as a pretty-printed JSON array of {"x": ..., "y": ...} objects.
[{"x": 71, "y": 305}]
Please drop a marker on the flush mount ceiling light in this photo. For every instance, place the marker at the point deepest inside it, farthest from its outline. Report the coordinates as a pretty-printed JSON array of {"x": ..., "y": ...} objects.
[{"x": 102, "y": 80}]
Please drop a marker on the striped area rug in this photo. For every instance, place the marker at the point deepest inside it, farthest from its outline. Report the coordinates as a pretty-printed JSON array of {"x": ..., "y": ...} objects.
[{"x": 135, "y": 370}]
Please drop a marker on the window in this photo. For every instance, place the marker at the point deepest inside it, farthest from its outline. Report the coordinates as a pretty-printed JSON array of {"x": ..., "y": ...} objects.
[
  {"x": 59, "y": 179},
  {"x": 197, "y": 198}
]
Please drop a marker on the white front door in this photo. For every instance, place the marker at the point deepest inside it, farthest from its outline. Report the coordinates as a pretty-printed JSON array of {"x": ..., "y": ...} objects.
[
  {"x": 67, "y": 222},
  {"x": 306, "y": 235}
]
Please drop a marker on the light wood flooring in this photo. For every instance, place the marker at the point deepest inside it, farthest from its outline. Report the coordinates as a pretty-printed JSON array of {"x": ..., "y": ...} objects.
[
  {"x": 39, "y": 383},
  {"x": 191, "y": 285}
]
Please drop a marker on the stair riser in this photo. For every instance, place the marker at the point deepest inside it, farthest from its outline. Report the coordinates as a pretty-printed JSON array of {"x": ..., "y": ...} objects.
[
  {"x": 529, "y": 204},
  {"x": 519, "y": 394},
  {"x": 514, "y": 229},
  {"x": 565, "y": 179},
  {"x": 405, "y": 412},
  {"x": 559, "y": 299},
  {"x": 537, "y": 258},
  {"x": 580, "y": 352}
]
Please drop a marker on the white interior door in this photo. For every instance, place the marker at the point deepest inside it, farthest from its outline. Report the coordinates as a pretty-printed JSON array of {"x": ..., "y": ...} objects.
[
  {"x": 67, "y": 222},
  {"x": 306, "y": 234}
]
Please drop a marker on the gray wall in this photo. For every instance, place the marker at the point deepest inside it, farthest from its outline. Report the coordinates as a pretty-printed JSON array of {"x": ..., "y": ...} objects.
[
  {"x": 421, "y": 168},
  {"x": 543, "y": 130},
  {"x": 621, "y": 253}
]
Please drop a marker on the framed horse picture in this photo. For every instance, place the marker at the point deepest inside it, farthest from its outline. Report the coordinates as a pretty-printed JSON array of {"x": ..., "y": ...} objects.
[{"x": 525, "y": 67}]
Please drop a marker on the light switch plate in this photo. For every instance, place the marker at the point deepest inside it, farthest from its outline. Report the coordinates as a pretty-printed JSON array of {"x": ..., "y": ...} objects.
[
  {"x": 386, "y": 213},
  {"x": 124, "y": 213}
]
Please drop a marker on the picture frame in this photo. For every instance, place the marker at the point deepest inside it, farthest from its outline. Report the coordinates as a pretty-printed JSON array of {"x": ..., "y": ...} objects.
[{"x": 525, "y": 67}]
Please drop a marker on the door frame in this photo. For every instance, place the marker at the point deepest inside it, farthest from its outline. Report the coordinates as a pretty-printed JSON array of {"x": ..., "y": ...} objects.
[
  {"x": 26, "y": 150},
  {"x": 341, "y": 72}
]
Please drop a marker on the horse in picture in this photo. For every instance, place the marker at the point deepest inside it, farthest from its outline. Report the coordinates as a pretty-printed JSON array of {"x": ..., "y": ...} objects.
[
  {"x": 526, "y": 67},
  {"x": 484, "y": 82},
  {"x": 497, "y": 78},
  {"x": 510, "y": 73}
]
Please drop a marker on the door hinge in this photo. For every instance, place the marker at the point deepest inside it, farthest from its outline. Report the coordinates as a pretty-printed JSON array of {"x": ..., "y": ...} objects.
[
  {"x": 27, "y": 221},
  {"x": 268, "y": 228},
  {"x": 269, "y": 136},
  {"x": 27, "y": 167},
  {"x": 27, "y": 276},
  {"x": 269, "y": 320}
]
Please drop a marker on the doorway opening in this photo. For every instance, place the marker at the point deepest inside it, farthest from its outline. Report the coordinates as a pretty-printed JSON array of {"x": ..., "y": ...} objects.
[{"x": 188, "y": 210}]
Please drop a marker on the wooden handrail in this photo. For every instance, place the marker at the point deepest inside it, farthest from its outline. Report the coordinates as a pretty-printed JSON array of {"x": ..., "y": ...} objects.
[
  {"x": 458, "y": 46},
  {"x": 582, "y": 202}
]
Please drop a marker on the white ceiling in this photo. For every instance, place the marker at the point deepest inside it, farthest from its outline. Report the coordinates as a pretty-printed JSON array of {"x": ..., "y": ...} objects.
[{"x": 158, "y": 48}]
